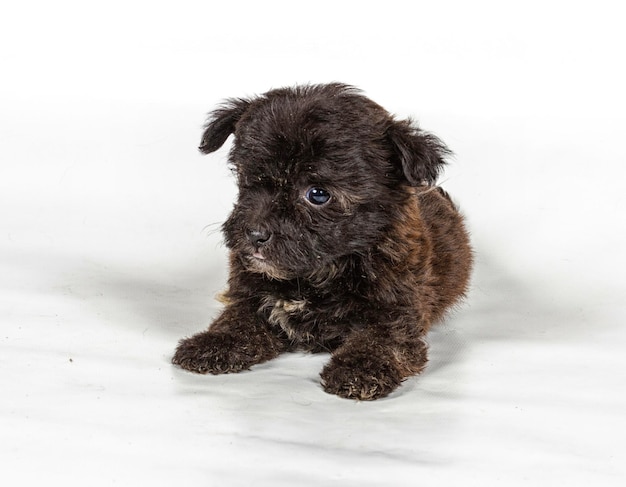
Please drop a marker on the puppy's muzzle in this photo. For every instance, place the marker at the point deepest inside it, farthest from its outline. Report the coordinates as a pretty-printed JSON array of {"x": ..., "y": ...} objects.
[{"x": 259, "y": 238}]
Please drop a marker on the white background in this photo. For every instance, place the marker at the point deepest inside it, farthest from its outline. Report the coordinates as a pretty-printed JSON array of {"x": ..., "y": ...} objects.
[{"x": 110, "y": 248}]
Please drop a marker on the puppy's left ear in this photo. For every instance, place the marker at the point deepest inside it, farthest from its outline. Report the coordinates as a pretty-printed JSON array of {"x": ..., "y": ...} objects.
[
  {"x": 221, "y": 124},
  {"x": 420, "y": 155}
]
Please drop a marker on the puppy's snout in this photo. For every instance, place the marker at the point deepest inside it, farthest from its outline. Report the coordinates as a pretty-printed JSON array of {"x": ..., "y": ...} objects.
[{"x": 258, "y": 238}]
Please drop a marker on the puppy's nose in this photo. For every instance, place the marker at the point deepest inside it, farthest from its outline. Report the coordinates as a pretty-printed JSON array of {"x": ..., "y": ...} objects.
[{"x": 258, "y": 238}]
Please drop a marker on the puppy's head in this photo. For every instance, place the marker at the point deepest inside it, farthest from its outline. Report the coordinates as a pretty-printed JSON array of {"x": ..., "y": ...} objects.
[{"x": 322, "y": 173}]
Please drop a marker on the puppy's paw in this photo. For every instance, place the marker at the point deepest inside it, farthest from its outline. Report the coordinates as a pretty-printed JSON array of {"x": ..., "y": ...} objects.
[
  {"x": 360, "y": 376},
  {"x": 214, "y": 353}
]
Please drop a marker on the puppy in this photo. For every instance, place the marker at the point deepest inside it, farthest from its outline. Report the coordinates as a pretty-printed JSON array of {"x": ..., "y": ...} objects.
[{"x": 339, "y": 240}]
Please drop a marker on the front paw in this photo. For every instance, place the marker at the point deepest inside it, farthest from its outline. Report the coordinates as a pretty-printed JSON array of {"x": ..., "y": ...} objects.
[
  {"x": 361, "y": 376},
  {"x": 214, "y": 353}
]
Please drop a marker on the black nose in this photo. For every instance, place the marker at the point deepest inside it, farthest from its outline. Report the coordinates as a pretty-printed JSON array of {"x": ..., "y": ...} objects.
[{"x": 259, "y": 238}]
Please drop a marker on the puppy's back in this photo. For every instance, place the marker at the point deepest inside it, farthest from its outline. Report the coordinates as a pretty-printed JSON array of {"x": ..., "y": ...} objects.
[{"x": 452, "y": 255}]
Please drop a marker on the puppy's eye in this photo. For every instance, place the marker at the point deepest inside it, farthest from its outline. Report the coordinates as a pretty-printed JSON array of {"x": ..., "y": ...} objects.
[{"x": 317, "y": 196}]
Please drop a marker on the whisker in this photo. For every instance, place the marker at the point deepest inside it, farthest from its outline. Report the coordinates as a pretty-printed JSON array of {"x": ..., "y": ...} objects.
[{"x": 211, "y": 229}]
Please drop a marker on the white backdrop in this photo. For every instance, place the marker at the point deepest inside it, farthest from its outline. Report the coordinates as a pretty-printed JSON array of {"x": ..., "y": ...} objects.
[{"x": 110, "y": 248}]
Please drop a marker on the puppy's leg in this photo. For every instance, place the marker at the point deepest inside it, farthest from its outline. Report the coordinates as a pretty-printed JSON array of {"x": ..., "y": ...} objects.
[
  {"x": 371, "y": 363},
  {"x": 237, "y": 340}
]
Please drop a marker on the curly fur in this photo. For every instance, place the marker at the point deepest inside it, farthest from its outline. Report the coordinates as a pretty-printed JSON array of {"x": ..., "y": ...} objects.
[{"x": 364, "y": 275}]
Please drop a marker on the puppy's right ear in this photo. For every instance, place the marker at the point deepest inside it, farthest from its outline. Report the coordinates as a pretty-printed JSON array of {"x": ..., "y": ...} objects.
[{"x": 221, "y": 124}]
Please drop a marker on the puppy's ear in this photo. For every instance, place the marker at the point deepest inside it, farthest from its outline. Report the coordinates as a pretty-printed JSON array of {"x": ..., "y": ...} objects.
[
  {"x": 420, "y": 155},
  {"x": 221, "y": 124}
]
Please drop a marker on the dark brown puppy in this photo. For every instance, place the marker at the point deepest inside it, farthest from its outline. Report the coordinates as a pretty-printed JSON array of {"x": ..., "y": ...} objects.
[{"x": 339, "y": 240}]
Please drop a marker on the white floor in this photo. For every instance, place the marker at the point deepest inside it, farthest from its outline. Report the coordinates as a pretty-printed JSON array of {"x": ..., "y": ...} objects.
[{"x": 110, "y": 252}]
